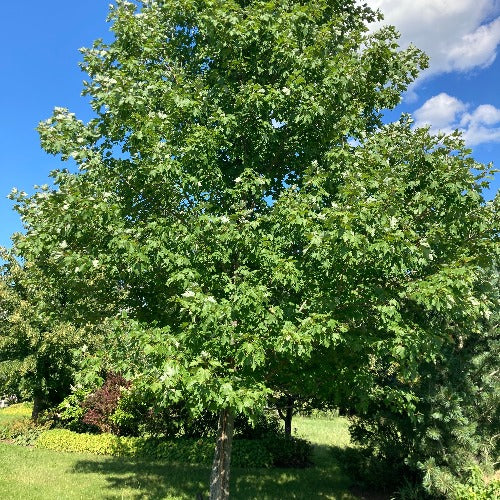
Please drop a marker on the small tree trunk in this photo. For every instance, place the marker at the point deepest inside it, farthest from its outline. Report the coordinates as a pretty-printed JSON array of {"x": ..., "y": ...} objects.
[
  {"x": 288, "y": 416},
  {"x": 38, "y": 406},
  {"x": 219, "y": 479}
]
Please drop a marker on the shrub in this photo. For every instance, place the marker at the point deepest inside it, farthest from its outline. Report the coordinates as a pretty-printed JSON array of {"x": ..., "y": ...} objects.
[
  {"x": 475, "y": 488},
  {"x": 453, "y": 420},
  {"x": 250, "y": 453},
  {"x": 265, "y": 424},
  {"x": 10, "y": 428},
  {"x": 245, "y": 453},
  {"x": 22, "y": 431},
  {"x": 121, "y": 408},
  {"x": 69, "y": 414},
  {"x": 99, "y": 444},
  {"x": 190, "y": 451},
  {"x": 19, "y": 409},
  {"x": 102, "y": 404},
  {"x": 288, "y": 451},
  {"x": 139, "y": 412},
  {"x": 268, "y": 452}
]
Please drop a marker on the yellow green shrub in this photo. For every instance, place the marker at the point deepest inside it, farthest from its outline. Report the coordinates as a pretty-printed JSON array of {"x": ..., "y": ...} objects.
[
  {"x": 19, "y": 409},
  {"x": 246, "y": 452}
]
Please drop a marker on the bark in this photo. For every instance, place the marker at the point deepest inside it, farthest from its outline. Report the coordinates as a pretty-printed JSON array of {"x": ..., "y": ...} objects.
[
  {"x": 219, "y": 480},
  {"x": 38, "y": 406},
  {"x": 288, "y": 416}
]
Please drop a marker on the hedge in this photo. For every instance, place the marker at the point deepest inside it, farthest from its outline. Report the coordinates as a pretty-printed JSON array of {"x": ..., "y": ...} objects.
[
  {"x": 272, "y": 451},
  {"x": 99, "y": 444},
  {"x": 18, "y": 410}
]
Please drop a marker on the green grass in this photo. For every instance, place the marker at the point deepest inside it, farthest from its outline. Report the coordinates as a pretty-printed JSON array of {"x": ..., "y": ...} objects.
[
  {"x": 324, "y": 434},
  {"x": 28, "y": 473}
]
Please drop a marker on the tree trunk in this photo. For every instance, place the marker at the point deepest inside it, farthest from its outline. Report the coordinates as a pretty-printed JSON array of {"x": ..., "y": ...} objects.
[
  {"x": 288, "y": 416},
  {"x": 219, "y": 480},
  {"x": 38, "y": 406}
]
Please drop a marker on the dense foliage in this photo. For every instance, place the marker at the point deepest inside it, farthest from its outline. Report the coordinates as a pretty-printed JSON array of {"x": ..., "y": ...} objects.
[
  {"x": 100, "y": 406},
  {"x": 36, "y": 343},
  {"x": 120, "y": 408},
  {"x": 274, "y": 451},
  {"x": 455, "y": 422}
]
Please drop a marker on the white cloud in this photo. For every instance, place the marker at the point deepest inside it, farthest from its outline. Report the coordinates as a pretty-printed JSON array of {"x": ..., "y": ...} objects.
[
  {"x": 457, "y": 35},
  {"x": 446, "y": 113},
  {"x": 440, "y": 111},
  {"x": 486, "y": 113}
]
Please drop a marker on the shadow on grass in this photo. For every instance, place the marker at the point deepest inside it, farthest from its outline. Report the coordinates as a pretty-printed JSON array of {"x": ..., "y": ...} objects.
[
  {"x": 141, "y": 479},
  {"x": 364, "y": 485}
]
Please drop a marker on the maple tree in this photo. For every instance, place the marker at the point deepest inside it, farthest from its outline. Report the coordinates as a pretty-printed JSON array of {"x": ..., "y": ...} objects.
[{"x": 239, "y": 208}]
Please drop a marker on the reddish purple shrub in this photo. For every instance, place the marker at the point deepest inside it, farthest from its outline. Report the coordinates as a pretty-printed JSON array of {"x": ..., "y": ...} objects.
[{"x": 101, "y": 404}]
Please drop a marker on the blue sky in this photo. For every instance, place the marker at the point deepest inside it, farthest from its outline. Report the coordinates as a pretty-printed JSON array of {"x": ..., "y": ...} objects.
[{"x": 39, "y": 70}]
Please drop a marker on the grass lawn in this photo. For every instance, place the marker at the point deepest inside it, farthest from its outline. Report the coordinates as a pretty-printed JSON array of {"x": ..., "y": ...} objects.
[
  {"x": 28, "y": 473},
  {"x": 15, "y": 412}
]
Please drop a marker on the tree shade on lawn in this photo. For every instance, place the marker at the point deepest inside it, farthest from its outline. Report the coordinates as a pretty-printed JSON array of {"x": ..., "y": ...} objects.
[
  {"x": 45, "y": 474},
  {"x": 244, "y": 219}
]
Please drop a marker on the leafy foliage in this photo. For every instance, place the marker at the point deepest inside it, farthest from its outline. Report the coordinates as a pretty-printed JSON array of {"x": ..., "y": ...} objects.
[
  {"x": 36, "y": 346},
  {"x": 289, "y": 451},
  {"x": 100, "y": 406},
  {"x": 118, "y": 407},
  {"x": 454, "y": 425},
  {"x": 21, "y": 431},
  {"x": 69, "y": 413},
  {"x": 475, "y": 487},
  {"x": 177, "y": 230},
  {"x": 247, "y": 453}
]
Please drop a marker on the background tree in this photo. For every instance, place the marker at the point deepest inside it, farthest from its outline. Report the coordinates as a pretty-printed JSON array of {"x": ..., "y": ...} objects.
[
  {"x": 36, "y": 357},
  {"x": 413, "y": 249},
  {"x": 454, "y": 425},
  {"x": 223, "y": 211}
]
